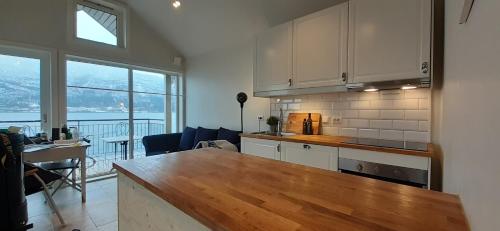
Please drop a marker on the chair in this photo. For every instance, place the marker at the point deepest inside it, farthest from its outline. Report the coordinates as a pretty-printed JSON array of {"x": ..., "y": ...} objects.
[
  {"x": 59, "y": 168},
  {"x": 36, "y": 180}
]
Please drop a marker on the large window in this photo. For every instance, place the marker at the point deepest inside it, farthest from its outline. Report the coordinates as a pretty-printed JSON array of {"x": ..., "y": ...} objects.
[
  {"x": 24, "y": 75},
  {"x": 99, "y": 23},
  {"x": 115, "y": 106}
]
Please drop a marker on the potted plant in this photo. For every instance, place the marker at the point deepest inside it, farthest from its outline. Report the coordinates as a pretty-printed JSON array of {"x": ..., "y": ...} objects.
[{"x": 272, "y": 121}]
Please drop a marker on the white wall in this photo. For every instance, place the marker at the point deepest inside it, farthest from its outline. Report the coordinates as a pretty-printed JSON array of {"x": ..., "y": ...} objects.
[
  {"x": 44, "y": 23},
  {"x": 471, "y": 110},
  {"x": 212, "y": 82}
]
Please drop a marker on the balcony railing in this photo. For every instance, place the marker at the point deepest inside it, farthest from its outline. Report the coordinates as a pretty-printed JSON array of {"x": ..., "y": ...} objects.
[{"x": 101, "y": 153}]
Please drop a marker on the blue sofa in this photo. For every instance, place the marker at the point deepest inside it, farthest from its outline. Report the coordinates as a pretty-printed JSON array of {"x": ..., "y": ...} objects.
[{"x": 176, "y": 142}]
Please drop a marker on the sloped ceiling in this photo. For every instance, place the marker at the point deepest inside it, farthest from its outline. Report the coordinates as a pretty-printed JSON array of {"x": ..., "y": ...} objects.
[{"x": 200, "y": 26}]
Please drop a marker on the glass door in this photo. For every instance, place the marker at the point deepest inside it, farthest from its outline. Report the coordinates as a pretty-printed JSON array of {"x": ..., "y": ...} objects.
[{"x": 25, "y": 89}]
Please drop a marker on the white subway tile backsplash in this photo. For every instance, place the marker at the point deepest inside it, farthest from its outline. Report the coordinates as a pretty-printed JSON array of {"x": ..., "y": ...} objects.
[
  {"x": 350, "y": 114},
  {"x": 424, "y": 104},
  {"x": 394, "y": 114},
  {"x": 405, "y": 125},
  {"x": 369, "y": 133},
  {"x": 416, "y": 94},
  {"x": 331, "y": 131},
  {"x": 369, "y": 114},
  {"x": 416, "y": 114},
  {"x": 391, "y": 135},
  {"x": 358, "y": 123},
  {"x": 383, "y": 124},
  {"x": 352, "y": 132},
  {"x": 417, "y": 136},
  {"x": 360, "y": 105},
  {"x": 382, "y": 104},
  {"x": 424, "y": 126},
  {"x": 294, "y": 106},
  {"x": 406, "y": 104}
]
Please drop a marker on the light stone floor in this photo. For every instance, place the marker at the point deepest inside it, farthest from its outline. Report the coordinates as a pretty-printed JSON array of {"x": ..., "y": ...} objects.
[{"x": 98, "y": 214}]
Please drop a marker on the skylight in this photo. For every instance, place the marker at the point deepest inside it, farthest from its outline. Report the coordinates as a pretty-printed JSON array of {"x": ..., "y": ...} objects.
[{"x": 96, "y": 25}]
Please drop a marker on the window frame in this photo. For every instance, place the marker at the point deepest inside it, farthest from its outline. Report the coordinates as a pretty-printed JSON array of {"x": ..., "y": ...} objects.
[{"x": 107, "y": 6}]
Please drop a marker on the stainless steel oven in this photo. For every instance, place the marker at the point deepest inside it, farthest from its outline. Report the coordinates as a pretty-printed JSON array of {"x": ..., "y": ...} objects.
[{"x": 395, "y": 174}]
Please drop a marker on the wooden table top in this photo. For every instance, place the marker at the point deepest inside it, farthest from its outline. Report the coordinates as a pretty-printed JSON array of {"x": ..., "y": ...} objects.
[
  {"x": 229, "y": 191},
  {"x": 338, "y": 141}
]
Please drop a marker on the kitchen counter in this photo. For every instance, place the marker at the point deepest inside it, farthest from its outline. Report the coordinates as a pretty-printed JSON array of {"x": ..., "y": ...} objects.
[
  {"x": 212, "y": 189},
  {"x": 339, "y": 141}
]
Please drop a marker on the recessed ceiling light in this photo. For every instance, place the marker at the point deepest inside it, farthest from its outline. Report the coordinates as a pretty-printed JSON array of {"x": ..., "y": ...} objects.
[
  {"x": 371, "y": 90},
  {"x": 176, "y": 3},
  {"x": 408, "y": 87}
]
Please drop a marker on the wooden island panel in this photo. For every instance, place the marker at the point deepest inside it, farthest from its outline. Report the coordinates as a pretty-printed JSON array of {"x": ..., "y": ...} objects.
[{"x": 228, "y": 191}]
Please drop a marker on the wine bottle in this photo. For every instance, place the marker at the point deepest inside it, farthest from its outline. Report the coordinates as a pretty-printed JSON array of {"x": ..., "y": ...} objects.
[{"x": 309, "y": 127}]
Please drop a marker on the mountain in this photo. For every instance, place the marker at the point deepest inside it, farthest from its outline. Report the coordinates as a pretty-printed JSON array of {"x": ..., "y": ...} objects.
[{"x": 20, "y": 87}]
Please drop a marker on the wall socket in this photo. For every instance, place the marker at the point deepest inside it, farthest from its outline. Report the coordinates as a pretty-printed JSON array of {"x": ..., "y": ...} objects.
[{"x": 336, "y": 120}]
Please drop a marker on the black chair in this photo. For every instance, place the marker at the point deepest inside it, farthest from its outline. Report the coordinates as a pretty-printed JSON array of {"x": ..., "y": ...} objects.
[
  {"x": 36, "y": 180},
  {"x": 60, "y": 169}
]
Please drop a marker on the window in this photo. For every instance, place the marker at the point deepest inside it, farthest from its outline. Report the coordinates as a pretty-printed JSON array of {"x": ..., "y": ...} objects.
[
  {"x": 99, "y": 23},
  {"x": 25, "y": 91},
  {"x": 116, "y": 105}
]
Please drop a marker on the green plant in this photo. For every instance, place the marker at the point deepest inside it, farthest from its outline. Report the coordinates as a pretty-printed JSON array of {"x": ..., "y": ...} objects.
[{"x": 272, "y": 121}]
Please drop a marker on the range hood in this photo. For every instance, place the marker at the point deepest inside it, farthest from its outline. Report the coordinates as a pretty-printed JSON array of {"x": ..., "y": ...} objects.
[
  {"x": 383, "y": 85},
  {"x": 389, "y": 85}
]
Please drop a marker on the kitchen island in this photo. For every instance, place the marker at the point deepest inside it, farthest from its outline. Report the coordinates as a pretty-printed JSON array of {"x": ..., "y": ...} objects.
[{"x": 212, "y": 189}]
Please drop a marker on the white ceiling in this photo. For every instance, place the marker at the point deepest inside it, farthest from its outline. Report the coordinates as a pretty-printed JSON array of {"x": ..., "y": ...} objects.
[{"x": 200, "y": 26}]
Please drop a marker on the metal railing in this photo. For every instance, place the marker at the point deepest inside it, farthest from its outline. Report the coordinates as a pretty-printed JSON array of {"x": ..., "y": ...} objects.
[{"x": 96, "y": 130}]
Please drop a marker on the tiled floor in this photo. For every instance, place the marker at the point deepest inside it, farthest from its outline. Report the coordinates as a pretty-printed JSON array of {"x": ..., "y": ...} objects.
[{"x": 99, "y": 213}]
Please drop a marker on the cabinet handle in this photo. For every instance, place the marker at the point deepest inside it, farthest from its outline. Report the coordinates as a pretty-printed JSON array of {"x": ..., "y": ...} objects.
[
  {"x": 344, "y": 77},
  {"x": 306, "y": 146},
  {"x": 425, "y": 68},
  {"x": 290, "y": 82},
  {"x": 278, "y": 148}
]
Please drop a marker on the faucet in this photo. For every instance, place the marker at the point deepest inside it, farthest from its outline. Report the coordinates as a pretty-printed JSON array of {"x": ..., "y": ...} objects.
[{"x": 280, "y": 123}]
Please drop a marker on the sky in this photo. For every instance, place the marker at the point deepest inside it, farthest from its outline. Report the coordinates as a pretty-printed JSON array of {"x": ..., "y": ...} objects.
[{"x": 88, "y": 28}]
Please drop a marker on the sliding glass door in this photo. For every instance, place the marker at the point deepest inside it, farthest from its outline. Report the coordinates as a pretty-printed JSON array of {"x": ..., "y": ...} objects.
[
  {"x": 24, "y": 89},
  {"x": 115, "y": 106}
]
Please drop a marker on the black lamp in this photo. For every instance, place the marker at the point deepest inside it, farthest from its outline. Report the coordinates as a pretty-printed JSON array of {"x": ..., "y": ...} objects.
[{"x": 241, "y": 98}]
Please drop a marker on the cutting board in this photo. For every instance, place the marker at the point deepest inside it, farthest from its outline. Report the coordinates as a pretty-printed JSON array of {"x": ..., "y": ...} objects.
[{"x": 295, "y": 120}]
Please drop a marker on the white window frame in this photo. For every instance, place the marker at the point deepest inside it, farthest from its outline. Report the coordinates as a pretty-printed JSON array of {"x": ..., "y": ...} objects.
[
  {"x": 108, "y": 6},
  {"x": 47, "y": 76}
]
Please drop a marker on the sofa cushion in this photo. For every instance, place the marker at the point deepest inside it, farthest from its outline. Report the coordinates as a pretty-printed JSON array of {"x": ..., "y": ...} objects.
[
  {"x": 229, "y": 135},
  {"x": 187, "y": 139},
  {"x": 204, "y": 134}
]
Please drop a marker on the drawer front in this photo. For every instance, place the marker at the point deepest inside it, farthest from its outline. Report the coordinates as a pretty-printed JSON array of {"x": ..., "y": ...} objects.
[
  {"x": 310, "y": 155},
  {"x": 407, "y": 161},
  {"x": 262, "y": 148}
]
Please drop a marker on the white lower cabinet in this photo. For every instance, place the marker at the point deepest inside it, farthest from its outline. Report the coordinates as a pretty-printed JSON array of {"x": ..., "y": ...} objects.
[
  {"x": 262, "y": 148},
  {"x": 310, "y": 155}
]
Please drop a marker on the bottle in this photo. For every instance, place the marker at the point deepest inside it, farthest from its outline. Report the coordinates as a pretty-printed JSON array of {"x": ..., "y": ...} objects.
[
  {"x": 309, "y": 127},
  {"x": 304, "y": 127}
]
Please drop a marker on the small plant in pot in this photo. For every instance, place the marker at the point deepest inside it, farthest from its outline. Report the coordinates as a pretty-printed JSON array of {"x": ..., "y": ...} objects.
[{"x": 272, "y": 121}]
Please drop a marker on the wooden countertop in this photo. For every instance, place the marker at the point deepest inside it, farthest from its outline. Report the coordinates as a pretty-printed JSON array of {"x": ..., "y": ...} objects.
[
  {"x": 338, "y": 141},
  {"x": 228, "y": 191}
]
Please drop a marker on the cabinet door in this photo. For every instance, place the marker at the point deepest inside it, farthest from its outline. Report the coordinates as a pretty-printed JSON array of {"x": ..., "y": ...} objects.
[
  {"x": 320, "y": 48},
  {"x": 263, "y": 148},
  {"x": 389, "y": 40},
  {"x": 273, "y": 64},
  {"x": 310, "y": 155}
]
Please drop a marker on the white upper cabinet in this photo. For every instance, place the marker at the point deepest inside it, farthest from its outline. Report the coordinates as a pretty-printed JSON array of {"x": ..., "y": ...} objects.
[
  {"x": 273, "y": 57},
  {"x": 389, "y": 39},
  {"x": 320, "y": 48}
]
